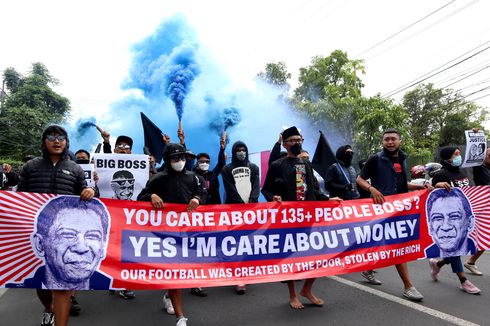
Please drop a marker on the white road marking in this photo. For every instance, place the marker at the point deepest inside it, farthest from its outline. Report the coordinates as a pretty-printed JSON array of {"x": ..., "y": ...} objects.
[
  {"x": 2, "y": 292},
  {"x": 404, "y": 302}
]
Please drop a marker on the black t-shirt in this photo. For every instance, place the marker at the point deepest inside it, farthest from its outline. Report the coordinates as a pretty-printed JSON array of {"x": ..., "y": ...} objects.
[
  {"x": 481, "y": 175},
  {"x": 371, "y": 169}
]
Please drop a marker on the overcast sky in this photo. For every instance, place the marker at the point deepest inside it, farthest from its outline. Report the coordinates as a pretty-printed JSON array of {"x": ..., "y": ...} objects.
[{"x": 86, "y": 44}]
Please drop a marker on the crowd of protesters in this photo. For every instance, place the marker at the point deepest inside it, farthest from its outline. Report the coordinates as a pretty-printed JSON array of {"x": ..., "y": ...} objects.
[{"x": 186, "y": 178}]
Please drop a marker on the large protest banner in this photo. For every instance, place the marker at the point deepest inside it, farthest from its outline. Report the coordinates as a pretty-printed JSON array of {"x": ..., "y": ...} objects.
[
  {"x": 121, "y": 176},
  {"x": 62, "y": 242}
]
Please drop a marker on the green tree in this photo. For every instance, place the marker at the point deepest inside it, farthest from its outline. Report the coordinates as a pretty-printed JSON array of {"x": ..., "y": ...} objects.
[
  {"x": 333, "y": 77},
  {"x": 276, "y": 73},
  {"x": 439, "y": 116},
  {"x": 375, "y": 115},
  {"x": 329, "y": 92},
  {"x": 30, "y": 105}
]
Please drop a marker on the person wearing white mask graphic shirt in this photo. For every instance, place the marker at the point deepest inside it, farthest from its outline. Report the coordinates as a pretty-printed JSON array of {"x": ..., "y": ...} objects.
[
  {"x": 178, "y": 186},
  {"x": 242, "y": 183}
]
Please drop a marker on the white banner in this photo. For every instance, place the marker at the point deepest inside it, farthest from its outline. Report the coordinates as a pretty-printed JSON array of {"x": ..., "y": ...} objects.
[
  {"x": 89, "y": 174},
  {"x": 476, "y": 146},
  {"x": 121, "y": 176}
]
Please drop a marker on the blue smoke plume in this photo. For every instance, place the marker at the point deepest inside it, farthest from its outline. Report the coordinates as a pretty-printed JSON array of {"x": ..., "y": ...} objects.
[
  {"x": 181, "y": 74},
  {"x": 84, "y": 134},
  {"x": 225, "y": 119},
  {"x": 172, "y": 54}
]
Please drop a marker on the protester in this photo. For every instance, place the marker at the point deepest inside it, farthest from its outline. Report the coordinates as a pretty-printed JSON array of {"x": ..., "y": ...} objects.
[
  {"x": 174, "y": 185},
  {"x": 291, "y": 179},
  {"x": 8, "y": 178},
  {"x": 481, "y": 177},
  {"x": 341, "y": 176},
  {"x": 41, "y": 175},
  {"x": 387, "y": 171},
  {"x": 450, "y": 175},
  {"x": 124, "y": 145},
  {"x": 242, "y": 183}
]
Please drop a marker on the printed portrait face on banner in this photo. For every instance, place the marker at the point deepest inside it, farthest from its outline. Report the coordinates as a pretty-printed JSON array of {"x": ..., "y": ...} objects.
[
  {"x": 450, "y": 220},
  {"x": 123, "y": 185},
  {"x": 71, "y": 237}
]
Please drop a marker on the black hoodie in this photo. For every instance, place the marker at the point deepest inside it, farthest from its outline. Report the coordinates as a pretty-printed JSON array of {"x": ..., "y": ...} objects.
[
  {"x": 340, "y": 178},
  {"x": 238, "y": 177}
]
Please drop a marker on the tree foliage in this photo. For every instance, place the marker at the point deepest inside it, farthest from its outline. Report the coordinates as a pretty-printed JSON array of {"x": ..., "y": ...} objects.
[
  {"x": 30, "y": 105},
  {"x": 276, "y": 73},
  {"x": 330, "y": 93},
  {"x": 438, "y": 117}
]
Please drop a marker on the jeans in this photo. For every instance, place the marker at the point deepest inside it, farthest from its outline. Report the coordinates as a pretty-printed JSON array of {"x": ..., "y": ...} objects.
[{"x": 456, "y": 264}]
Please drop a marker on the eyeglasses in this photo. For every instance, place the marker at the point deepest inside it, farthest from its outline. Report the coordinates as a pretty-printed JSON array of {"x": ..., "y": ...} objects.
[
  {"x": 121, "y": 146},
  {"x": 295, "y": 141},
  {"x": 53, "y": 138},
  {"x": 124, "y": 182},
  {"x": 177, "y": 158}
]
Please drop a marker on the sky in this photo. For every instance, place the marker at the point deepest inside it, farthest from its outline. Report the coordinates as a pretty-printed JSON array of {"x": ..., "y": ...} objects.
[{"x": 89, "y": 46}]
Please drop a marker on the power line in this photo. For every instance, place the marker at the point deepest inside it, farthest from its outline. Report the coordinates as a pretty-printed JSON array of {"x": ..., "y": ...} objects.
[
  {"x": 462, "y": 73},
  {"x": 432, "y": 73},
  {"x": 468, "y": 76},
  {"x": 404, "y": 29}
]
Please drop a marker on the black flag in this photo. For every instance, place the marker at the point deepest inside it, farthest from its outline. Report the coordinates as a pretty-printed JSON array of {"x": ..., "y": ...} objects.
[
  {"x": 324, "y": 156},
  {"x": 153, "y": 138}
]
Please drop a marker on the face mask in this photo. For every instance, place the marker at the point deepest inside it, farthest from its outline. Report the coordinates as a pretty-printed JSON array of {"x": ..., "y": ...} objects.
[
  {"x": 296, "y": 149},
  {"x": 178, "y": 166},
  {"x": 347, "y": 159},
  {"x": 457, "y": 161},
  {"x": 241, "y": 156},
  {"x": 204, "y": 166}
]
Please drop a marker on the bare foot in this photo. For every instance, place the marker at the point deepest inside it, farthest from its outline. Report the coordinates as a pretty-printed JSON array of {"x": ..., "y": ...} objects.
[
  {"x": 295, "y": 303},
  {"x": 310, "y": 296}
]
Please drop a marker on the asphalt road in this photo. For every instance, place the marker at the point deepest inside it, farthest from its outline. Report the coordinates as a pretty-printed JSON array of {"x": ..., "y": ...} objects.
[{"x": 349, "y": 301}]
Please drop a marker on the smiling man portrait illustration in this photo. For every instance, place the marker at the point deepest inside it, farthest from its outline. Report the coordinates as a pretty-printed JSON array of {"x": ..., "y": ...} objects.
[
  {"x": 71, "y": 237},
  {"x": 450, "y": 220},
  {"x": 122, "y": 184}
]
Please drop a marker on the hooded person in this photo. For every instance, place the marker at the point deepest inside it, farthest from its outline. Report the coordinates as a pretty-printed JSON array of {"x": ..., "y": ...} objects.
[
  {"x": 174, "y": 185},
  {"x": 340, "y": 178},
  {"x": 241, "y": 177},
  {"x": 54, "y": 173},
  {"x": 450, "y": 172}
]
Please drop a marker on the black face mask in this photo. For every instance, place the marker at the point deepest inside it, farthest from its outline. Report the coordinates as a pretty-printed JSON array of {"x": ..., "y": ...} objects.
[
  {"x": 83, "y": 161},
  {"x": 296, "y": 149},
  {"x": 347, "y": 158}
]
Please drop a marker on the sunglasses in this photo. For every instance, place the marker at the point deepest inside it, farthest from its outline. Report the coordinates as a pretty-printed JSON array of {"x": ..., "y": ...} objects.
[
  {"x": 295, "y": 141},
  {"x": 121, "y": 146},
  {"x": 53, "y": 138},
  {"x": 124, "y": 182},
  {"x": 175, "y": 159},
  {"x": 204, "y": 161}
]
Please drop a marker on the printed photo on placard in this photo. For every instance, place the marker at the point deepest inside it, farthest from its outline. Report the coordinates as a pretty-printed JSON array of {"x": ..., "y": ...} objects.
[
  {"x": 121, "y": 176},
  {"x": 476, "y": 146}
]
